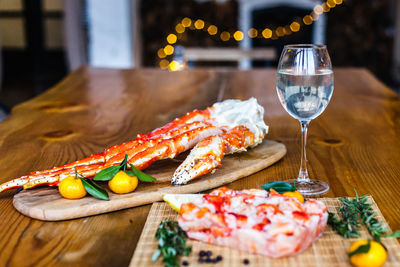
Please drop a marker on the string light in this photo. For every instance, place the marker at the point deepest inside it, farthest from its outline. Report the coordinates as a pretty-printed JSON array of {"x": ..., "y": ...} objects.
[
  {"x": 252, "y": 33},
  {"x": 169, "y": 50},
  {"x": 307, "y": 20},
  {"x": 225, "y": 36},
  {"x": 267, "y": 33},
  {"x": 326, "y": 8},
  {"x": 314, "y": 16},
  {"x": 238, "y": 35},
  {"x": 199, "y": 24},
  {"x": 171, "y": 38},
  {"x": 318, "y": 9},
  {"x": 180, "y": 28},
  {"x": 212, "y": 30},
  {"x": 164, "y": 64},
  {"x": 186, "y": 22},
  {"x": 287, "y": 30},
  {"x": 174, "y": 66},
  {"x": 331, "y": 3},
  {"x": 295, "y": 26},
  {"x": 161, "y": 53}
]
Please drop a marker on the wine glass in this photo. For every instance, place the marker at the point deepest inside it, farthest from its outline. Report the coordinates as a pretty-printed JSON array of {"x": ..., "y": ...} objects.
[{"x": 304, "y": 83}]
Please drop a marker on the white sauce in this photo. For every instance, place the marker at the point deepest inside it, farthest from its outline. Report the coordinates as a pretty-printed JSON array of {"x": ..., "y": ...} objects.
[{"x": 249, "y": 113}]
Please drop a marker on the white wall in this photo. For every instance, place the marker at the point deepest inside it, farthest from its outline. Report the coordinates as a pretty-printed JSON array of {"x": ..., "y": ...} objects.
[{"x": 110, "y": 43}]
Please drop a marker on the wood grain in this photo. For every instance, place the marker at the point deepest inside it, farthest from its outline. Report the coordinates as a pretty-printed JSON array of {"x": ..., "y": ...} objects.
[
  {"x": 48, "y": 205},
  {"x": 355, "y": 143}
]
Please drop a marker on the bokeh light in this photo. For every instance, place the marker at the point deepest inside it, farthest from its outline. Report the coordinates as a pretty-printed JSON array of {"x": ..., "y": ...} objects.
[
  {"x": 295, "y": 26},
  {"x": 331, "y": 3},
  {"x": 314, "y": 16},
  {"x": 174, "y": 65},
  {"x": 238, "y": 35},
  {"x": 186, "y": 22},
  {"x": 307, "y": 19},
  {"x": 225, "y": 36},
  {"x": 199, "y": 24},
  {"x": 325, "y": 7},
  {"x": 161, "y": 53},
  {"x": 179, "y": 28},
  {"x": 287, "y": 30},
  {"x": 318, "y": 9},
  {"x": 168, "y": 50},
  {"x": 171, "y": 38},
  {"x": 267, "y": 33},
  {"x": 164, "y": 64},
  {"x": 252, "y": 33},
  {"x": 212, "y": 30}
]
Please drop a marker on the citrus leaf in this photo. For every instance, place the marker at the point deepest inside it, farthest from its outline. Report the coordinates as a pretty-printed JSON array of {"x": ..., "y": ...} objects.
[
  {"x": 107, "y": 174},
  {"x": 94, "y": 189},
  {"x": 122, "y": 165},
  {"x": 130, "y": 173},
  {"x": 141, "y": 175},
  {"x": 395, "y": 235},
  {"x": 361, "y": 249},
  {"x": 279, "y": 186}
]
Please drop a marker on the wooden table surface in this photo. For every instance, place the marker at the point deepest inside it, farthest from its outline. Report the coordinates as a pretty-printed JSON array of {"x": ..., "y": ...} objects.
[{"x": 355, "y": 143}]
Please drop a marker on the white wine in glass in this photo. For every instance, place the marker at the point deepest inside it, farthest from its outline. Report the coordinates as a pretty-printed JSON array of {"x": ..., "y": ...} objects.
[{"x": 304, "y": 84}]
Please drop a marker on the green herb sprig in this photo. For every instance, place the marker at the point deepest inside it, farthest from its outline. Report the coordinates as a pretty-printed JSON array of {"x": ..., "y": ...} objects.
[
  {"x": 108, "y": 173},
  {"x": 171, "y": 243},
  {"x": 356, "y": 212},
  {"x": 349, "y": 225}
]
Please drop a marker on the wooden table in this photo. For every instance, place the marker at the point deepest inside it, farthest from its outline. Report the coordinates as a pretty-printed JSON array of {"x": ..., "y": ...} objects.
[{"x": 354, "y": 144}]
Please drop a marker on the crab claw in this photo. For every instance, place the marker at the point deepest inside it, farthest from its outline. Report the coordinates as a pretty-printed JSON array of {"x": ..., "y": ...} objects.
[
  {"x": 204, "y": 157},
  {"x": 207, "y": 155}
]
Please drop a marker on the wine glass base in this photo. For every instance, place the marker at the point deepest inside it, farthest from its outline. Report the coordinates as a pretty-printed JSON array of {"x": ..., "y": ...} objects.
[{"x": 311, "y": 187}]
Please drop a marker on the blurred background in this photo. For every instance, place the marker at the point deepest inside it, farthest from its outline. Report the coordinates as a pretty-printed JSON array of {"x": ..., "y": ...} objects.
[{"x": 43, "y": 40}]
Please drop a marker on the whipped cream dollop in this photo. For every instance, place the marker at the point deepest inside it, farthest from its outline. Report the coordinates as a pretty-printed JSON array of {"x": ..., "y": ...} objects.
[{"x": 231, "y": 113}]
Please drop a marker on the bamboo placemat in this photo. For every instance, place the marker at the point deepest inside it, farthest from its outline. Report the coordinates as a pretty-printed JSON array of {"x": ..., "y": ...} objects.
[{"x": 329, "y": 250}]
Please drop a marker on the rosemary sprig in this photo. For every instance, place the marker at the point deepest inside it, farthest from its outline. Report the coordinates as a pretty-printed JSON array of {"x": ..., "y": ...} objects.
[
  {"x": 171, "y": 243},
  {"x": 375, "y": 228},
  {"x": 355, "y": 212},
  {"x": 349, "y": 225}
]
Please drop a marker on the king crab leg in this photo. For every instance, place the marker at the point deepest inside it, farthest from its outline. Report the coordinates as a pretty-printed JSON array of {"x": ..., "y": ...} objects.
[{"x": 91, "y": 165}]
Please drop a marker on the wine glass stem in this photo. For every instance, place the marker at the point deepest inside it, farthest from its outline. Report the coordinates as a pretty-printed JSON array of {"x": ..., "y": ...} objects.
[{"x": 303, "y": 173}]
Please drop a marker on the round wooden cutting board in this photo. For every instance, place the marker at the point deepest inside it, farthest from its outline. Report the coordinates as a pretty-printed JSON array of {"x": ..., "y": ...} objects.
[{"x": 48, "y": 205}]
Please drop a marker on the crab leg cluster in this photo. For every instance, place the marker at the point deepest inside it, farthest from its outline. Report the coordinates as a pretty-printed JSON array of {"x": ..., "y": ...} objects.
[{"x": 200, "y": 128}]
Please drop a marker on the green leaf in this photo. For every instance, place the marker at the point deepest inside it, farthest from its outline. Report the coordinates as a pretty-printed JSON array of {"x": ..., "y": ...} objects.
[
  {"x": 395, "y": 235},
  {"x": 156, "y": 254},
  {"x": 94, "y": 189},
  {"x": 361, "y": 249},
  {"x": 123, "y": 163},
  {"x": 141, "y": 175},
  {"x": 130, "y": 173},
  {"x": 279, "y": 186},
  {"x": 107, "y": 174}
]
